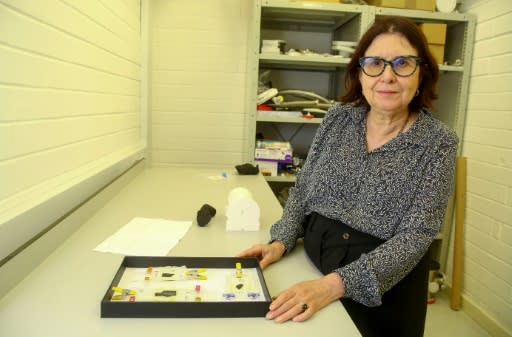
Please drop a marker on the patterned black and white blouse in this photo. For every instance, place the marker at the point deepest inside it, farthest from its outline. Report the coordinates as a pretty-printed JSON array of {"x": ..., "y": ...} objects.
[{"x": 397, "y": 192}]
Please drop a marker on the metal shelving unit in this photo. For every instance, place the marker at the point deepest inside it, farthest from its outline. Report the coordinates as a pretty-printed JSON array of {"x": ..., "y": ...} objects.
[
  {"x": 314, "y": 25},
  {"x": 303, "y": 25},
  {"x": 453, "y": 88}
]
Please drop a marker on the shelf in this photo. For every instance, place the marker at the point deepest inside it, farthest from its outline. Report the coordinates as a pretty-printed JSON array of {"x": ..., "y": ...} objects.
[
  {"x": 280, "y": 119},
  {"x": 443, "y": 67},
  {"x": 318, "y": 16},
  {"x": 423, "y": 16},
  {"x": 305, "y": 61},
  {"x": 312, "y": 62},
  {"x": 280, "y": 179}
]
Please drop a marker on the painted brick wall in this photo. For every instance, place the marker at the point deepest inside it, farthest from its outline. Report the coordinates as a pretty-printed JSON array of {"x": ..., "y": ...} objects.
[
  {"x": 487, "y": 144},
  {"x": 69, "y": 100},
  {"x": 198, "y": 82}
]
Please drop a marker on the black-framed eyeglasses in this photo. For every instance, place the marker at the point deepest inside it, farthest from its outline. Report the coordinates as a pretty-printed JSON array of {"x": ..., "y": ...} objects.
[{"x": 402, "y": 66}]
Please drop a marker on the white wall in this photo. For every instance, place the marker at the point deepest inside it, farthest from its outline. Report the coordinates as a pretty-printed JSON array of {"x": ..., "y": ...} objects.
[
  {"x": 70, "y": 76},
  {"x": 70, "y": 109},
  {"x": 198, "y": 82},
  {"x": 487, "y": 144}
]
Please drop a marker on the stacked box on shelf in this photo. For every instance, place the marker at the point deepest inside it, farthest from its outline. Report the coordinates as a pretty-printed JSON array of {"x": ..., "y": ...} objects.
[
  {"x": 272, "y": 46},
  {"x": 270, "y": 155},
  {"x": 436, "y": 38},
  {"x": 387, "y": 3},
  {"x": 427, "y": 5}
]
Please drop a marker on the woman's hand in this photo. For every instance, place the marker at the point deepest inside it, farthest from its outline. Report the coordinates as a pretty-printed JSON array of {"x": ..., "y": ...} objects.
[
  {"x": 301, "y": 301},
  {"x": 266, "y": 253}
]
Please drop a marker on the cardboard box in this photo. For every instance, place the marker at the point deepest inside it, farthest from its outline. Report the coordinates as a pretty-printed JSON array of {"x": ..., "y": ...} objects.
[
  {"x": 388, "y": 3},
  {"x": 424, "y": 5},
  {"x": 268, "y": 168},
  {"x": 434, "y": 32},
  {"x": 436, "y": 38},
  {"x": 437, "y": 51},
  {"x": 273, "y": 150},
  {"x": 273, "y": 168}
]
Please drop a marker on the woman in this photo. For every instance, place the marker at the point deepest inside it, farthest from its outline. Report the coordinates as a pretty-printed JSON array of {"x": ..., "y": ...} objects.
[{"x": 373, "y": 192}]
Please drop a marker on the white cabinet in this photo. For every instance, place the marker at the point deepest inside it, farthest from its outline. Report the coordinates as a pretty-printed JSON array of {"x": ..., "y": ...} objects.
[{"x": 314, "y": 25}]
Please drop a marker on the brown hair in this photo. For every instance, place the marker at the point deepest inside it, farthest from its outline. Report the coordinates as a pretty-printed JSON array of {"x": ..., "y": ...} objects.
[{"x": 429, "y": 71}]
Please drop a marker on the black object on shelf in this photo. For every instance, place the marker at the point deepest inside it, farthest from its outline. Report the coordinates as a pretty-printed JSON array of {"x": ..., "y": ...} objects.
[{"x": 247, "y": 169}]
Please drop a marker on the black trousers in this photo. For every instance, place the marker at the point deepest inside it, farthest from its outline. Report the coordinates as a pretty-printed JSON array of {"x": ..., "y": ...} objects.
[{"x": 331, "y": 244}]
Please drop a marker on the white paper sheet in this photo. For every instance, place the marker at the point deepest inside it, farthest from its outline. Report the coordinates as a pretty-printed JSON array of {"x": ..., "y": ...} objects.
[{"x": 145, "y": 237}]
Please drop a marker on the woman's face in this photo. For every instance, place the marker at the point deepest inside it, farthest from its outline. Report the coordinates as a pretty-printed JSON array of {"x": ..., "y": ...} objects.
[{"x": 388, "y": 93}]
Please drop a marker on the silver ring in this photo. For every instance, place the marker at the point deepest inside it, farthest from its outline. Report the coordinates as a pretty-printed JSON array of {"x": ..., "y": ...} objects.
[{"x": 305, "y": 307}]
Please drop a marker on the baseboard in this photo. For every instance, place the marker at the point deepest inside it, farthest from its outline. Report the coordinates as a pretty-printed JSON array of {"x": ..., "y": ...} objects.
[
  {"x": 494, "y": 328},
  {"x": 481, "y": 317}
]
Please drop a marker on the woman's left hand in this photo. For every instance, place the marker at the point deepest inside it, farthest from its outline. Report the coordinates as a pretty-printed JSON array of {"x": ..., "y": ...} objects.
[{"x": 302, "y": 300}]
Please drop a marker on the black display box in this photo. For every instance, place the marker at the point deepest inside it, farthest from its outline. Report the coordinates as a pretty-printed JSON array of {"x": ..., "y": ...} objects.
[{"x": 141, "y": 309}]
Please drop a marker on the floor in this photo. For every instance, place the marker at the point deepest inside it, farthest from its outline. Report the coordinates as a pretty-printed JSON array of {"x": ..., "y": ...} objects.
[{"x": 445, "y": 322}]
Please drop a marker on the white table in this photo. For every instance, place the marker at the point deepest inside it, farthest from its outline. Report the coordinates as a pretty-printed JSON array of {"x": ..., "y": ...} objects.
[{"x": 62, "y": 296}]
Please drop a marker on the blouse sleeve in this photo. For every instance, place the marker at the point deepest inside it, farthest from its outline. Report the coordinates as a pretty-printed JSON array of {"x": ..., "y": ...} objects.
[
  {"x": 367, "y": 278},
  {"x": 289, "y": 228}
]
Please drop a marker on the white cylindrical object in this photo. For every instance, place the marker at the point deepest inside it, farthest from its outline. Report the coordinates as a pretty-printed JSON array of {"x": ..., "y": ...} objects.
[
  {"x": 239, "y": 193},
  {"x": 446, "y": 6},
  {"x": 433, "y": 287},
  {"x": 242, "y": 212}
]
